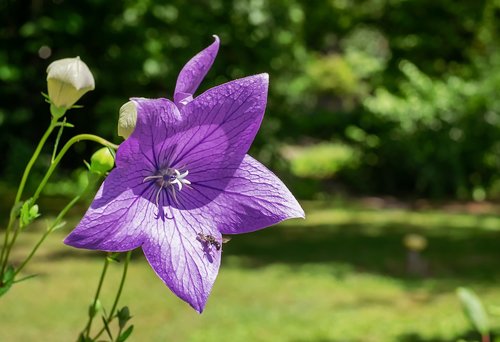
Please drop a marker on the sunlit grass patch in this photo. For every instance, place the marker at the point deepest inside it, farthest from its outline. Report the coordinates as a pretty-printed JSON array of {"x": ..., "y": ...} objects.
[{"x": 339, "y": 275}]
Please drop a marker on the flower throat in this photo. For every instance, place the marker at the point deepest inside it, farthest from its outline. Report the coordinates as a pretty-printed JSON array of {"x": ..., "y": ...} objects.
[{"x": 167, "y": 178}]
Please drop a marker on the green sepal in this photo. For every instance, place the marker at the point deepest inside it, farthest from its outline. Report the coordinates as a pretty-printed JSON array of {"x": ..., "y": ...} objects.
[
  {"x": 57, "y": 112},
  {"x": 124, "y": 335}
]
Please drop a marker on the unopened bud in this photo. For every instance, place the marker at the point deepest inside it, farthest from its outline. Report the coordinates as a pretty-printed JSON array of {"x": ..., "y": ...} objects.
[
  {"x": 67, "y": 80},
  {"x": 127, "y": 119},
  {"x": 101, "y": 161}
]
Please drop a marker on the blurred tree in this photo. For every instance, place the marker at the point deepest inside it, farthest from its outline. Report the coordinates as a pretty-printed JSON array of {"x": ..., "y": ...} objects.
[{"x": 379, "y": 75}]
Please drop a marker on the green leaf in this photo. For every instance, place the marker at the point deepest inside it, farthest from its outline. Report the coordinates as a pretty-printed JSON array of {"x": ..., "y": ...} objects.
[
  {"x": 83, "y": 338},
  {"x": 7, "y": 280},
  {"x": 106, "y": 327},
  {"x": 474, "y": 310},
  {"x": 87, "y": 164},
  {"x": 25, "y": 278},
  {"x": 125, "y": 334},
  {"x": 123, "y": 316},
  {"x": 58, "y": 226}
]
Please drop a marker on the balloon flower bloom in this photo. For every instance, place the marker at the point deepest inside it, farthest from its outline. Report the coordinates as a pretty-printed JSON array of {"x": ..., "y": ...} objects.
[{"x": 183, "y": 178}]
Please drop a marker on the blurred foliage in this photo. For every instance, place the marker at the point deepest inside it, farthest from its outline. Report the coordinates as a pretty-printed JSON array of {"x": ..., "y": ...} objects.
[
  {"x": 411, "y": 86},
  {"x": 320, "y": 161}
]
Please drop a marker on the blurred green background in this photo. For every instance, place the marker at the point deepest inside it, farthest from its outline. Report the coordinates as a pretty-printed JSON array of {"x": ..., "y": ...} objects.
[
  {"x": 368, "y": 99},
  {"x": 393, "y": 97}
]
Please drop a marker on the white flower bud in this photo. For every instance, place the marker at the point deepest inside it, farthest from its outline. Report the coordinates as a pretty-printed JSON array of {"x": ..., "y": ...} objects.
[
  {"x": 127, "y": 119},
  {"x": 67, "y": 80}
]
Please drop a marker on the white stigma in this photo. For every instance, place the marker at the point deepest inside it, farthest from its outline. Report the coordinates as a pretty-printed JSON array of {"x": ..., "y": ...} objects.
[{"x": 180, "y": 179}]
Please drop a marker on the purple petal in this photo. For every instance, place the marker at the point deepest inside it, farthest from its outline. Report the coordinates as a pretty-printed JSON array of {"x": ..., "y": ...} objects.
[
  {"x": 194, "y": 71},
  {"x": 253, "y": 198},
  {"x": 186, "y": 264},
  {"x": 220, "y": 125},
  {"x": 213, "y": 133},
  {"x": 157, "y": 120},
  {"x": 115, "y": 220}
]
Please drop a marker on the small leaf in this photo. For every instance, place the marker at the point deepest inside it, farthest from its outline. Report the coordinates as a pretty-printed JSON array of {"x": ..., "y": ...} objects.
[
  {"x": 65, "y": 124},
  {"x": 474, "y": 310},
  {"x": 7, "y": 280},
  {"x": 106, "y": 327},
  {"x": 25, "y": 278},
  {"x": 125, "y": 334},
  {"x": 83, "y": 338},
  {"x": 123, "y": 316},
  {"x": 59, "y": 225},
  {"x": 86, "y": 164}
]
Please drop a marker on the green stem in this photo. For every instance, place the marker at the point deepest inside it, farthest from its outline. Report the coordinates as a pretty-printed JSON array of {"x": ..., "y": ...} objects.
[
  {"x": 53, "y": 124},
  {"x": 47, "y": 233},
  {"x": 118, "y": 294},
  {"x": 4, "y": 256},
  {"x": 92, "y": 314},
  {"x": 71, "y": 142}
]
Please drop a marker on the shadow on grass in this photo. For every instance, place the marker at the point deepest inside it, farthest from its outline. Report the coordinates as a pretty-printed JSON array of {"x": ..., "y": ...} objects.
[
  {"x": 470, "y": 335},
  {"x": 457, "y": 255},
  {"x": 415, "y": 337},
  {"x": 462, "y": 255}
]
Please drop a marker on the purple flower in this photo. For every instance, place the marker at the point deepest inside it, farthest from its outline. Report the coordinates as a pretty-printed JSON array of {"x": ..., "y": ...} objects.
[{"x": 183, "y": 178}]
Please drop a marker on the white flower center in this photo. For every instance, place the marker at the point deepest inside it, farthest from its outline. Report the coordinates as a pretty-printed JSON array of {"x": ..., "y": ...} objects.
[{"x": 167, "y": 179}]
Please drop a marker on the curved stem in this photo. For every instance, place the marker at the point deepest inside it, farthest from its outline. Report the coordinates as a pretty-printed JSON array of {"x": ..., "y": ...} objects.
[
  {"x": 72, "y": 141},
  {"x": 92, "y": 314},
  {"x": 58, "y": 219},
  {"x": 5, "y": 248},
  {"x": 118, "y": 294},
  {"x": 47, "y": 232},
  {"x": 45, "y": 179}
]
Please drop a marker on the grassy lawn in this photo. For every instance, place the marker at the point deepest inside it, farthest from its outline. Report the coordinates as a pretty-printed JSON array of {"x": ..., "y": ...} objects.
[{"x": 339, "y": 275}]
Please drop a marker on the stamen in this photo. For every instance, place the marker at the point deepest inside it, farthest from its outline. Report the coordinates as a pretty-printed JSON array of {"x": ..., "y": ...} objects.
[
  {"x": 148, "y": 178},
  {"x": 167, "y": 179}
]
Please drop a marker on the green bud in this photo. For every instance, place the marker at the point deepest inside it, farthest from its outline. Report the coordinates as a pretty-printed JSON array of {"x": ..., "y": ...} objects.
[
  {"x": 102, "y": 161},
  {"x": 67, "y": 80},
  {"x": 127, "y": 119}
]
